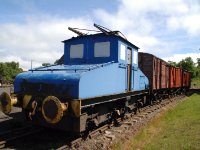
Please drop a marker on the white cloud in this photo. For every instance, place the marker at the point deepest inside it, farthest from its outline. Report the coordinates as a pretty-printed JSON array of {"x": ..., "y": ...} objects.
[
  {"x": 36, "y": 39},
  {"x": 179, "y": 57},
  {"x": 143, "y": 42},
  {"x": 189, "y": 23},
  {"x": 192, "y": 24}
]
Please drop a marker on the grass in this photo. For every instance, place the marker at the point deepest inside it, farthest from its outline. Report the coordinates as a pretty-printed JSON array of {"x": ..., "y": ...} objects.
[
  {"x": 175, "y": 129},
  {"x": 195, "y": 82}
]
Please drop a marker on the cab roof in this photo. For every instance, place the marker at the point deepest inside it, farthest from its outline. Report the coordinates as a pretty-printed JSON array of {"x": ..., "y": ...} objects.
[{"x": 101, "y": 34}]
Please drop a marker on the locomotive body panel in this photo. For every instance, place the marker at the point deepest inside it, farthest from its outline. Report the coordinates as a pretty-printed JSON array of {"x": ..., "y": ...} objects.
[
  {"x": 110, "y": 79},
  {"x": 105, "y": 80}
]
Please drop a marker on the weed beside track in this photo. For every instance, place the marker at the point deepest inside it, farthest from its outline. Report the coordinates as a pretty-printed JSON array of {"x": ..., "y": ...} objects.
[{"x": 177, "y": 128}]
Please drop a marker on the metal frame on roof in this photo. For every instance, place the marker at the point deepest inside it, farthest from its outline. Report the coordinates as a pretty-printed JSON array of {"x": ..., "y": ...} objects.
[{"x": 103, "y": 30}]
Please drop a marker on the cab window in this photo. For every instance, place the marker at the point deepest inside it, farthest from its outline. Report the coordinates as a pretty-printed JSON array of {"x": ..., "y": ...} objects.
[
  {"x": 122, "y": 52},
  {"x": 135, "y": 57},
  {"x": 102, "y": 49},
  {"x": 76, "y": 51}
]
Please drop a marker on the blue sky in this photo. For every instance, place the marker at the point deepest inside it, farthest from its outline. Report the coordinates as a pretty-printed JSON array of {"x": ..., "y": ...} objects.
[
  {"x": 33, "y": 29},
  {"x": 18, "y": 9}
]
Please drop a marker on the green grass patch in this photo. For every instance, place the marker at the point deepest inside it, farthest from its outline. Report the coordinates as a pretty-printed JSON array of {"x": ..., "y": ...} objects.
[
  {"x": 175, "y": 129},
  {"x": 195, "y": 82}
]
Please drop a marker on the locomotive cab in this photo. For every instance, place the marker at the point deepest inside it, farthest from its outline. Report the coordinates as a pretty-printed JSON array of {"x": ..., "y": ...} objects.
[{"x": 101, "y": 48}]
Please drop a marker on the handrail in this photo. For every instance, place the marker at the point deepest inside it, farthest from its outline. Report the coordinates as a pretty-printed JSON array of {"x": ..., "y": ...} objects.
[{"x": 73, "y": 69}]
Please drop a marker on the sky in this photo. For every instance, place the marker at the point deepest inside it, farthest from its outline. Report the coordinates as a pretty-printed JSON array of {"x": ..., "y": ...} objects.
[{"x": 32, "y": 30}]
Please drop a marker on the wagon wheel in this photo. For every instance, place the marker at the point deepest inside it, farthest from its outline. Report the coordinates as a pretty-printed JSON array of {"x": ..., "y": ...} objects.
[{"x": 137, "y": 108}]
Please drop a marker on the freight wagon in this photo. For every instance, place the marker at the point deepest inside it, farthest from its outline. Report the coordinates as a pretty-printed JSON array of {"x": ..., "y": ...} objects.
[{"x": 164, "y": 79}]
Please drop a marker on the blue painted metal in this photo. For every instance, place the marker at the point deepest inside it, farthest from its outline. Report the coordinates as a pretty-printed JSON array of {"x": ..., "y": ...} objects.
[
  {"x": 102, "y": 81},
  {"x": 140, "y": 81},
  {"x": 88, "y": 76}
]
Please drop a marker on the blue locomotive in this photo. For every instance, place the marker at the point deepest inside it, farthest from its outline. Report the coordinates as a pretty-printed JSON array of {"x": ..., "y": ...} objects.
[{"x": 99, "y": 79}]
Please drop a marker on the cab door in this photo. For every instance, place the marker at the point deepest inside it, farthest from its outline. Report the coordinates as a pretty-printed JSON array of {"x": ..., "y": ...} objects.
[{"x": 129, "y": 68}]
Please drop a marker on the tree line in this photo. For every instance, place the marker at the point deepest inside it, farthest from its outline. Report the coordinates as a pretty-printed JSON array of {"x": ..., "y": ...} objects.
[{"x": 188, "y": 64}]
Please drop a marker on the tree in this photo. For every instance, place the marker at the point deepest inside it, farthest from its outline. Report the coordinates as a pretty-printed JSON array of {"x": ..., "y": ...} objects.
[
  {"x": 188, "y": 64},
  {"x": 46, "y": 64},
  {"x": 9, "y": 70},
  {"x": 198, "y": 62},
  {"x": 172, "y": 63},
  {"x": 197, "y": 70}
]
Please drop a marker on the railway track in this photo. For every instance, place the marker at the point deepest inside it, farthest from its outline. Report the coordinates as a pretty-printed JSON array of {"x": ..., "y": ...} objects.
[
  {"x": 195, "y": 90},
  {"x": 11, "y": 135},
  {"x": 129, "y": 120}
]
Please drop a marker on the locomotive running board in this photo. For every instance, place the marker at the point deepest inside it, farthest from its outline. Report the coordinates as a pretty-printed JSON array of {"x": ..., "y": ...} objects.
[{"x": 109, "y": 98}]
